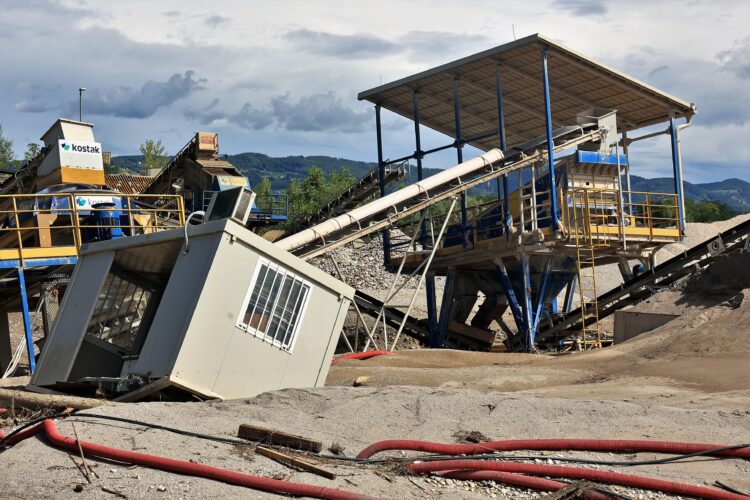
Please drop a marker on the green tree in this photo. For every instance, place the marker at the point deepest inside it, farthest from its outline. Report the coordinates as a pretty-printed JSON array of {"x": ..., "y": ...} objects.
[
  {"x": 7, "y": 157},
  {"x": 32, "y": 150},
  {"x": 263, "y": 195},
  {"x": 153, "y": 155},
  {"x": 707, "y": 211}
]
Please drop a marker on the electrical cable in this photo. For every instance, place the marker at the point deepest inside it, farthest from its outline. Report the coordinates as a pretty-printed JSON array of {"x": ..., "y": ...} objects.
[{"x": 729, "y": 488}]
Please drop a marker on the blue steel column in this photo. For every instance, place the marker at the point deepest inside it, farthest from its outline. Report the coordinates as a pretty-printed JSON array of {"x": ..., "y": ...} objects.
[
  {"x": 526, "y": 303},
  {"x": 459, "y": 152},
  {"x": 430, "y": 278},
  {"x": 550, "y": 144},
  {"x": 27, "y": 320},
  {"x": 677, "y": 172},
  {"x": 501, "y": 140},
  {"x": 381, "y": 180}
]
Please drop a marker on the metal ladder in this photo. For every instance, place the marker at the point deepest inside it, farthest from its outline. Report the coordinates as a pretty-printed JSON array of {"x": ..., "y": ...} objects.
[{"x": 586, "y": 247}]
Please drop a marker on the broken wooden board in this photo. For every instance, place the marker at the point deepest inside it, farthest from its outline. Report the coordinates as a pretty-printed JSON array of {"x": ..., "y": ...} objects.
[
  {"x": 278, "y": 438},
  {"x": 294, "y": 461}
]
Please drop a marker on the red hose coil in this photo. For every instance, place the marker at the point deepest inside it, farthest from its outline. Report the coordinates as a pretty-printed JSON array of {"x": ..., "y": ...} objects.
[
  {"x": 182, "y": 467},
  {"x": 578, "y": 473},
  {"x": 549, "y": 444},
  {"x": 536, "y": 483},
  {"x": 360, "y": 355}
]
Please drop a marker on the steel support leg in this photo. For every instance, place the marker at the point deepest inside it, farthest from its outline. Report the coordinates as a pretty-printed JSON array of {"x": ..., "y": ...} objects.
[
  {"x": 541, "y": 297},
  {"x": 550, "y": 143},
  {"x": 460, "y": 155},
  {"x": 381, "y": 181},
  {"x": 677, "y": 173},
  {"x": 526, "y": 303},
  {"x": 27, "y": 320},
  {"x": 446, "y": 306},
  {"x": 570, "y": 291},
  {"x": 430, "y": 280},
  {"x": 515, "y": 309},
  {"x": 500, "y": 124}
]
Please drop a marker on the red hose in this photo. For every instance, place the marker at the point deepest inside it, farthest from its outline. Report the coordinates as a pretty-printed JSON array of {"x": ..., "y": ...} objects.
[
  {"x": 536, "y": 483},
  {"x": 548, "y": 444},
  {"x": 182, "y": 467},
  {"x": 579, "y": 473},
  {"x": 360, "y": 355}
]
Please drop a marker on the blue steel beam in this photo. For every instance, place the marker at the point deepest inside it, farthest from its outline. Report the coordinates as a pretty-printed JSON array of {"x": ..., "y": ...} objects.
[
  {"x": 430, "y": 278},
  {"x": 510, "y": 294},
  {"x": 381, "y": 180},
  {"x": 500, "y": 121},
  {"x": 677, "y": 172},
  {"x": 459, "y": 153},
  {"x": 501, "y": 140},
  {"x": 550, "y": 144},
  {"x": 61, "y": 261},
  {"x": 27, "y": 320},
  {"x": 541, "y": 296},
  {"x": 526, "y": 303}
]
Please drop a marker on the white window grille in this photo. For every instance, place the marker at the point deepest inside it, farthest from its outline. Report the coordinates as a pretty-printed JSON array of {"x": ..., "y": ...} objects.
[{"x": 274, "y": 305}]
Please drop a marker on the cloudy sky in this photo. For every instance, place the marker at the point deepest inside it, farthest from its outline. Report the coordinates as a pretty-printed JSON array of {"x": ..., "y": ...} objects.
[{"x": 281, "y": 77}]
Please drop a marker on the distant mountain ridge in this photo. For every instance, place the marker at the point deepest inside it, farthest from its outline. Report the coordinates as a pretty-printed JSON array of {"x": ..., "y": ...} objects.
[{"x": 281, "y": 170}]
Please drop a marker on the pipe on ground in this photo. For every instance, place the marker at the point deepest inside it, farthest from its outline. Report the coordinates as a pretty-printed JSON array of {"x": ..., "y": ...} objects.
[
  {"x": 550, "y": 445},
  {"x": 536, "y": 483},
  {"x": 360, "y": 355},
  {"x": 617, "y": 478},
  {"x": 182, "y": 467}
]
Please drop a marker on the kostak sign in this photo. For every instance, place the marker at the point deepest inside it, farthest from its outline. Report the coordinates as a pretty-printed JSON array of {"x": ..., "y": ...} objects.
[{"x": 79, "y": 154}]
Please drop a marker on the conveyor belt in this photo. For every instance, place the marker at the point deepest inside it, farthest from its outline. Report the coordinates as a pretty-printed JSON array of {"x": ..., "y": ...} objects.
[
  {"x": 512, "y": 160},
  {"x": 649, "y": 283},
  {"x": 393, "y": 317},
  {"x": 357, "y": 193}
]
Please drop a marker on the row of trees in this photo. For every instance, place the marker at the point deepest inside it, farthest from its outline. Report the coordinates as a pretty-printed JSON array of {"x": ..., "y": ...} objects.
[
  {"x": 306, "y": 196},
  {"x": 8, "y": 157}
]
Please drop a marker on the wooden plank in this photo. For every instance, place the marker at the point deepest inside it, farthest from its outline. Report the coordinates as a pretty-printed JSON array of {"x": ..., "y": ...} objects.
[
  {"x": 294, "y": 461},
  {"x": 278, "y": 438},
  {"x": 472, "y": 332}
]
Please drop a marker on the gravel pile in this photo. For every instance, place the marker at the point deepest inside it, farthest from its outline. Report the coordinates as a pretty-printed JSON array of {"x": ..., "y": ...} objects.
[{"x": 361, "y": 263}]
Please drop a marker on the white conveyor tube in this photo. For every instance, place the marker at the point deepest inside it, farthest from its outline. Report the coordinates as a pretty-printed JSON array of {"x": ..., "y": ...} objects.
[{"x": 394, "y": 199}]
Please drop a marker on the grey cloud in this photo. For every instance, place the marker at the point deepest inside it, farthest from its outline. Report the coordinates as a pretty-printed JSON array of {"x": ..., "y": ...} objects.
[
  {"x": 216, "y": 20},
  {"x": 439, "y": 44},
  {"x": 205, "y": 115},
  {"x": 311, "y": 113},
  {"x": 127, "y": 102},
  {"x": 172, "y": 13},
  {"x": 318, "y": 112},
  {"x": 356, "y": 46},
  {"x": 251, "y": 118},
  {"x": 417, "y": 44},
  {"x": 32, "y": 106},
  {"x": 702, "y": 82},
  {"x": 582, "y": 7},
  {"x": 737, "y": 59}
]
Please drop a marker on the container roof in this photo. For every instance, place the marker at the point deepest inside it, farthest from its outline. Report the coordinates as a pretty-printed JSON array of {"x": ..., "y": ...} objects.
[{"x": 576, "y": 83}]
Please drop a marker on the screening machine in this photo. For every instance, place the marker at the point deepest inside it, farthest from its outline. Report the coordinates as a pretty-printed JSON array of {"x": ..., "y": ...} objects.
[{"x": 556, "y": 128}]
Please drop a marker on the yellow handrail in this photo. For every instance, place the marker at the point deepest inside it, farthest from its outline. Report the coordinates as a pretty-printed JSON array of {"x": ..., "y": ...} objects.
[{"x": 53, "y": 224}]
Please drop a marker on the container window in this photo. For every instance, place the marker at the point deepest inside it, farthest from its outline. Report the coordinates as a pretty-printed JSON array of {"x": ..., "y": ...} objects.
[
  {"x": 274, "y": 305},
  {"x": 122, "y": 313}
]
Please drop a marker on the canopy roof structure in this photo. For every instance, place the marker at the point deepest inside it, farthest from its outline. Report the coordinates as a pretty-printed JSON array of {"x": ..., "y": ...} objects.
[{"x": 576, "y": 83}]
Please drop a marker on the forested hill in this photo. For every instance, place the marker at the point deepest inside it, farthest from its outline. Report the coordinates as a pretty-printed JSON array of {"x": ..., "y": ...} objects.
[{"x": 281, "y": 170}]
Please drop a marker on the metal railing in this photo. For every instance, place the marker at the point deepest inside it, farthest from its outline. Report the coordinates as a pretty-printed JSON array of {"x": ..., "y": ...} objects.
[
  {"x": 275, "y": 204},
  {"x": 605, "y": 214},
  {"x": 57, "y": 224}
]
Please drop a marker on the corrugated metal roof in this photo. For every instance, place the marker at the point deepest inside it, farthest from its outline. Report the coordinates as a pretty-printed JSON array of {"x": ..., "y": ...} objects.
[
  {"x": 576, "y": 83},
  {"x": 127, "y": 183}
]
